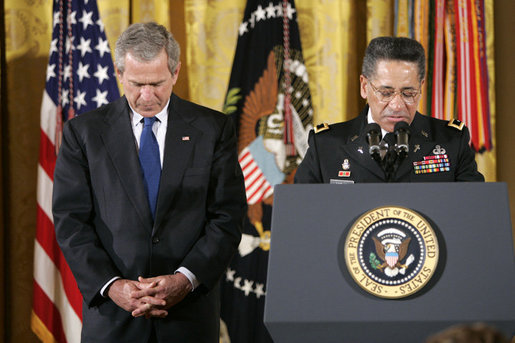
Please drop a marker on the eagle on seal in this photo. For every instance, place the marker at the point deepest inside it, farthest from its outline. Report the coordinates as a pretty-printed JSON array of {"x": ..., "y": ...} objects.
[{"x": 391, "y": 253}]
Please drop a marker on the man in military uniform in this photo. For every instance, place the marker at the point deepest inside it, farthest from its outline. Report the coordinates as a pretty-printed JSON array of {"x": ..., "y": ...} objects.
[{"x": 391, "y": 82}]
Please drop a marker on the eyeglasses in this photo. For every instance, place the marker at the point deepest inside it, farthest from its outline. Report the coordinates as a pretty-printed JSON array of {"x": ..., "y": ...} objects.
[{"x": 386, "y": 95}]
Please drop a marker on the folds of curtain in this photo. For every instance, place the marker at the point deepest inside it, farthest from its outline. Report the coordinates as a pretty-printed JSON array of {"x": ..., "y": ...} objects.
[
  {"x": 212, "y": 32},
  {"x": 333, "y": 41},
  {"x": 28, "y": 29},
  {"x": 379, "y": 18},
  {"x": 487, "y": 162}
]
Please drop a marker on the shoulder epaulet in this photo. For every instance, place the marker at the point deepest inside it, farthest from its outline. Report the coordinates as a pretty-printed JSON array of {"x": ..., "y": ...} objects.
[
  {"x": 321, "y": 127},
  {"x": 455, "y": 123}
]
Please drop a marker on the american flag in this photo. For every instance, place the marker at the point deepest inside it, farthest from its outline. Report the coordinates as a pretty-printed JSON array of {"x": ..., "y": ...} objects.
[{"x": 79, "y": 77}]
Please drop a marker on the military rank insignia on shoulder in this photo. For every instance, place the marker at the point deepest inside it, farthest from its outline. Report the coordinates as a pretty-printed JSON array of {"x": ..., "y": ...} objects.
[
  {"x": 455, "y": 123},
  {"x": 321, "y": 127}
]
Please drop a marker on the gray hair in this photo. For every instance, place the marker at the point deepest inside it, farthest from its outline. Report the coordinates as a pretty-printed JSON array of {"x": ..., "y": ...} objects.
[
  {"x": 145, "y": 41},
  {"x": 393, "y": 49}
]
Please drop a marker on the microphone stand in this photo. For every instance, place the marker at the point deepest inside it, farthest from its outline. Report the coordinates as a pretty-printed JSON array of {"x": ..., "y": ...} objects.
[
  {"x": 395, "y": 154},
  {"x": 392, "y": 160}
]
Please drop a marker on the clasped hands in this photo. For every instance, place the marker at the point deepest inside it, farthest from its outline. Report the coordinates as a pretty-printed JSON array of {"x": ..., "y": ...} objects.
[{"x": 150, "y": 297}]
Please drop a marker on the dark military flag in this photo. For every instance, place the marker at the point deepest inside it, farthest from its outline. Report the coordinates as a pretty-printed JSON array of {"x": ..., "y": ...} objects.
[{"x": 269, "y": 100}]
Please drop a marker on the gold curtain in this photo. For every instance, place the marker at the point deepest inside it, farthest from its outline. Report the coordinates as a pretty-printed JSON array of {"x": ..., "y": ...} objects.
[
  {"x": 28, "y": 29},
  {"x": 154, "y": 10},
  {"x": 333, "y": 36},
  {"x": 486, "y": 161},
  {"x": 379, "y": 18},
  {"x": 211, "y": 31}
]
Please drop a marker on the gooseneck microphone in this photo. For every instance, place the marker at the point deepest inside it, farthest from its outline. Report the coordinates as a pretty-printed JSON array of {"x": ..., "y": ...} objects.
[
  {"x": 402, "y": 135},
  {"x": 394, "y": 155},
  {"x": 374, "y": 136}
]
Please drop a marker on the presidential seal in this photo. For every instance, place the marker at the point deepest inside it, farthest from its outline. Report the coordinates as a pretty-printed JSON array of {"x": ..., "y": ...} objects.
[{"x": 391, "y": 252}]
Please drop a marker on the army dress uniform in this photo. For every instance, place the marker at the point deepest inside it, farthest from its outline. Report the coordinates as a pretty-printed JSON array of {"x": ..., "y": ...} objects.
[{"x": 439, "y": 151}]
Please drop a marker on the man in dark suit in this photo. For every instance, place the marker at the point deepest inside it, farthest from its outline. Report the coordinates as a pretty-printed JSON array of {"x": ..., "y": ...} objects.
[
  {"x": 391, "y": 82},
  {"x": 148, "y": 212}
]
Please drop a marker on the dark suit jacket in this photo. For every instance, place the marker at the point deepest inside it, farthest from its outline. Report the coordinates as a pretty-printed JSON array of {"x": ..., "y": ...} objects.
[
  {"x": 104, "y": 225},
  {"x": 347, "y": 142}
]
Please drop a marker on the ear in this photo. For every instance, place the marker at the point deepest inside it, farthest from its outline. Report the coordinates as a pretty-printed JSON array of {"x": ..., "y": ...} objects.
[
  {"x": 118, "y": 74},
  {"x": 175, "y": 75},
  {"x": 363, "y": 86}
]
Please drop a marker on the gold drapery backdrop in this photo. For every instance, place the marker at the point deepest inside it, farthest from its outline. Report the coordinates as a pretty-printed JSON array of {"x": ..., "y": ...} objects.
[{"x": 334, "y": 34}]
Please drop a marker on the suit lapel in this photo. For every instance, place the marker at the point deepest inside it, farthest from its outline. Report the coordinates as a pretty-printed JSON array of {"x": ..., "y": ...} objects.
[
  {"x": 118, "y": 138},
  {"x": 181, "y": 138}
]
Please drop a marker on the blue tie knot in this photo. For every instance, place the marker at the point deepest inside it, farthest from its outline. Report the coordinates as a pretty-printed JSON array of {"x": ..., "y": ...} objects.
[{"x": 149, "y": 121}]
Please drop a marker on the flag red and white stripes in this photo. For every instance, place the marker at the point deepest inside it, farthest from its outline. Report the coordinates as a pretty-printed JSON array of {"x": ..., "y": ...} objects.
[{"x": 256, "y": 185}]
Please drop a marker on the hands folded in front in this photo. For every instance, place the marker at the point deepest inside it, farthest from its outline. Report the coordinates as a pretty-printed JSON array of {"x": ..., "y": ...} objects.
[{"x": 150, "y": 297}]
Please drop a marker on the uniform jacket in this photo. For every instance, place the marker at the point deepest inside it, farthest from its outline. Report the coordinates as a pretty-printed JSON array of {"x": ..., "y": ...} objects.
[
  {"x": 105, "y": 228},
  {"x": 340, "y": 154}
]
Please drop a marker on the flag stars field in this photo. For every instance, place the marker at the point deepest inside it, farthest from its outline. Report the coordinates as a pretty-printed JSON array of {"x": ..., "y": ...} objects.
[
  {"x": 50, "y": 71},
  {"x": 102, "y": 47},
  {"x": 262, "y": 14},
  {"x": 80, "y": 99},
  {"x": 100, "y": 98},
  {"x": 100, "y": 25},
  {"x": 86, "y": 19},
  {"x": 84, "y": 46},
  {"x": 82, "y": 72},
  {"x": 101, "y": 74}
]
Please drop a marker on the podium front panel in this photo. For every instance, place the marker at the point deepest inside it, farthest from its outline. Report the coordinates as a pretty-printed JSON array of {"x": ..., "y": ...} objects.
[{"x": 312, "y": 298}]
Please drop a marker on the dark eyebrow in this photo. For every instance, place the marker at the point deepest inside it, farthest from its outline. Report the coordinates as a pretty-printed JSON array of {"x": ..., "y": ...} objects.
[{"x": 150, "y": 83}]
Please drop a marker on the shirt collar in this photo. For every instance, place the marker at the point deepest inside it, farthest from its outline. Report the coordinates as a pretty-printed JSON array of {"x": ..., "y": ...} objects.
[
  {"x": 371, "y": 120},
  {"x": 161, "y": 116}
]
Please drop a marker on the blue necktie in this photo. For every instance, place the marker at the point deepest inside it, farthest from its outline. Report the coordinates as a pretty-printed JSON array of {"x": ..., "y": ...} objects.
[{"x": 150, "y": 162}]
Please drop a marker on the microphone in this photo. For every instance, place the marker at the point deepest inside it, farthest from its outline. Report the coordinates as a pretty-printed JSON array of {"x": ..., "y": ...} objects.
[
  {"x": 374, "y": 136},
  {"x": 402, "y": 135}
]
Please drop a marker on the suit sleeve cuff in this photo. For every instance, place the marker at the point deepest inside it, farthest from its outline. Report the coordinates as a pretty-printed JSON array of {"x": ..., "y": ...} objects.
[
  {"x": 106, "y": 286},
  {"x": 193, "y": 279}
]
